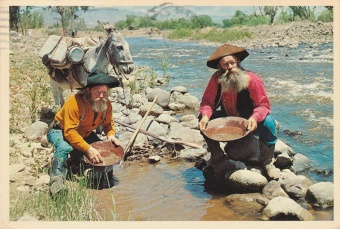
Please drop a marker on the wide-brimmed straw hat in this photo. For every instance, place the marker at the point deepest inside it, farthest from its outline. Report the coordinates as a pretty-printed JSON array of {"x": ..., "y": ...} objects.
[
  {"x": 226, "y": 50},
  {"x": 96, "y": 79}
]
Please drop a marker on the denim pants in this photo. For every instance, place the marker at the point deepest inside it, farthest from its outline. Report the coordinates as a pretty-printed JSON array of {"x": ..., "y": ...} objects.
[{"x": 61, "y": 145}]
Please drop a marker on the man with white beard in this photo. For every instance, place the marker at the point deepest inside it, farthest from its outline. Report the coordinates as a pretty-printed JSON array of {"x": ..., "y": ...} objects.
[
  {"x": 74, "y": 125},
  {"x": 239, "y": 93}
]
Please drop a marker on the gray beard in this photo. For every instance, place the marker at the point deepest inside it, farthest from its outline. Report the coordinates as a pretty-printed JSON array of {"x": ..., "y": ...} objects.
[
  {"x": 97, "y": 104},
  {"x": 234, "y": 80}
]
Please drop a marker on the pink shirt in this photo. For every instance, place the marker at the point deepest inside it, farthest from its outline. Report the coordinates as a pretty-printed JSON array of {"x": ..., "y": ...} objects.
[{"x": 257, "y": 94}]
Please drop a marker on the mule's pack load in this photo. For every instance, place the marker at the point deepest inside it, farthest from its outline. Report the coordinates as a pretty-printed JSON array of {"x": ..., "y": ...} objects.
[{"x": 61, "y": 52}]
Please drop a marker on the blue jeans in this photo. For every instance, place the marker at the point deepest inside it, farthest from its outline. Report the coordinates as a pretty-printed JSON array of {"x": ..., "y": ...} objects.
[{"x": 61, "y": 145}]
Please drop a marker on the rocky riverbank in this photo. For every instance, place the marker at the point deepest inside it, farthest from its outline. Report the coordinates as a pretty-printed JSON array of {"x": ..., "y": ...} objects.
[{"x": 174, "y": 117}]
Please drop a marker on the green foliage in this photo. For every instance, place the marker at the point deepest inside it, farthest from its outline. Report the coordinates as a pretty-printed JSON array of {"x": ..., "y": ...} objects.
[
  {"x": 77, "y": 204},
  {"x": 240, "y": 18},
  {"x": 303, "y": 12},
  {"x": 180, "y": 33},
  {"x": 326, "y": 16},
  {"x": 259, "y": 20},
  {"x": 28, "y": 79},
  {"x": 201, "y": 21},
  {"x": 214, "y": 35},
  {"x": 36, "y": 21}
]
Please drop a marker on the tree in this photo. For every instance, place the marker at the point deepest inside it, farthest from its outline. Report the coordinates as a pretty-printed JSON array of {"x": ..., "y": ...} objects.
[
  {"x": 25, "y": 15},
  {"x": 271, "y": 12},
  {"x": 67, "y": 13},
  {"x": 14, "y": 17},
  {"x": 304, "y": 12},
  {"x": 201, "y": 21}
]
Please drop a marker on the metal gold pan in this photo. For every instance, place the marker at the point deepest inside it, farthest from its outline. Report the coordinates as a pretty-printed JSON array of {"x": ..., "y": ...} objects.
[
  {"x": 110, "y": 153},
  {"x": 226, "y": 129}
]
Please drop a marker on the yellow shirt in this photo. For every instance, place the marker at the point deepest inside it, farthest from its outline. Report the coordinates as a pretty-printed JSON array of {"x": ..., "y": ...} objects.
[{"x": 69, "y": 118}]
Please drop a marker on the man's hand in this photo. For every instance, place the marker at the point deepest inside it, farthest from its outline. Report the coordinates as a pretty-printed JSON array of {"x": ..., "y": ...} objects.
[
  {"x": 203, "y": 123},
  {"x": 114, "y": 140},
  {"x": 94, "y": 155},
  {"x": 252, "y": 124}
]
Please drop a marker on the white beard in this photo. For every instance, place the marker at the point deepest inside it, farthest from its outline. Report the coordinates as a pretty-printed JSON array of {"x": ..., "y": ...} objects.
[
  {"x": 99, "y": 105},
  {"x": 234, "y": 80}
]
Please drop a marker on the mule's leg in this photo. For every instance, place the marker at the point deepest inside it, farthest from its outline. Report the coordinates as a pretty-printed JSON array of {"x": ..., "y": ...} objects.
[{"x": 57, "y": 94}]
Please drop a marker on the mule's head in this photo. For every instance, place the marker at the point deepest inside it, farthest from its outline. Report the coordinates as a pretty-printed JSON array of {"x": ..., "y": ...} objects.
[{"x": 118, "y": 51}]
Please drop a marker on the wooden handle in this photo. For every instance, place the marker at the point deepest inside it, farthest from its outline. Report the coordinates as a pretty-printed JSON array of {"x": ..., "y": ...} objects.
[{"x": 138, "y": 128}]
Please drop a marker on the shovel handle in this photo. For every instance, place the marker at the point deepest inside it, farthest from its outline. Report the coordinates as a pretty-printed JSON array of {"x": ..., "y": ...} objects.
[{"x": 138, "y": 128}]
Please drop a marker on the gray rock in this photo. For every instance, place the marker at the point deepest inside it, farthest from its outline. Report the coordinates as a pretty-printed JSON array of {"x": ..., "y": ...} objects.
[
  {"x": 281, "y": 148},
  {"x": 125, "y": 137},
  {"x": 132, "y": 118},
  {"x": 165, "y": 118},
  {"x": 176, "y": 106},
  {"x": 246, "y": 181},
  {"x": 187, "y": 118},
  {"x": 193, "y": 124},
  {"x": 153, "y": 127},
  {"x": 156, "y": 110},
  {"x": 185, "y": 134},
  {"x": 321, "y": 194},
  {"x": 36, "y": 131},
  {"x": 163, "y": 96},
  {"x": 190, "y": 101},
  {"x": 245, "y": 204},
  {"x": 192, "y": 154},
  {"x": 180, "y": 89},
  {"x": 273, "y": 189},
  {"x": 283, "y": 208},
  {"x": 292, "y": 184},
  {"x": 300, "y": 163}
]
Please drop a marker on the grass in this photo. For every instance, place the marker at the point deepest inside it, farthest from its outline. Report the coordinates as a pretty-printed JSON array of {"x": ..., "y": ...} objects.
[
  {"x": 214, "y": 35},
  {"x": 77, "y": 205}
]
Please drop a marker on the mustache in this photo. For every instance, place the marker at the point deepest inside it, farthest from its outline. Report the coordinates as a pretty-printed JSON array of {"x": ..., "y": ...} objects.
[{"x": 233, "y": 80}]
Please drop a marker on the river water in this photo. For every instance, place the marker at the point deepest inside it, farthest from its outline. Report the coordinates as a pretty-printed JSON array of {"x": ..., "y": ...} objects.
[{"x": 299, "y": 84}]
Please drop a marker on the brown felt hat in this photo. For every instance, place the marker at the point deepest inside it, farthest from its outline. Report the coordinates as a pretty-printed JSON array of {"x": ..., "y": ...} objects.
[{"x": 226, "y": 50}]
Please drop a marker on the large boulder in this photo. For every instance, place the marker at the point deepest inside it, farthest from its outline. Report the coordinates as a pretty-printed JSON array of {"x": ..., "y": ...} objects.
[
  {"x": 163, "y": 96},
  {"x": 190, "y": 101},
  {"x": 36, "y": 131},
  {"x": 245, "y": 181},
  {"x": 321, "y": 194},
  {"x": 283, "y": 208}
]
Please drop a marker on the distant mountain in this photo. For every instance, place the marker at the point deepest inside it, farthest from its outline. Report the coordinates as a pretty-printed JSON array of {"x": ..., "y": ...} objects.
[
  {"x": 107, "y": 14},
  {"x": 167, "y": 11}
]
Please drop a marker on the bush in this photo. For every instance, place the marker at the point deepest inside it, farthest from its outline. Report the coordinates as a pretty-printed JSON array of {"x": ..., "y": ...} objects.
[{"x": 326, "y": 16}]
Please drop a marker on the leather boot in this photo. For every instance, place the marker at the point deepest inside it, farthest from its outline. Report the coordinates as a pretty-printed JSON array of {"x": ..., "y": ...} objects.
[
  {"x": 57, "y": 176},
  {"x": 266, "y": 158}
]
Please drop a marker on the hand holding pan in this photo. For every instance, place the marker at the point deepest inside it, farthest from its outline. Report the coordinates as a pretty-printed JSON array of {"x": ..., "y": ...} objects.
[
  {"x": 226, "y": 129},
  {"x": 110, "y": 153}
]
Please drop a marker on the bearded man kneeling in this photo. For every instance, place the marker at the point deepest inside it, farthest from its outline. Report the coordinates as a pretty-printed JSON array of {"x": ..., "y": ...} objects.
[
  {"x": 239, "y": 93},
  {"x": 73, "y": 127}
]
